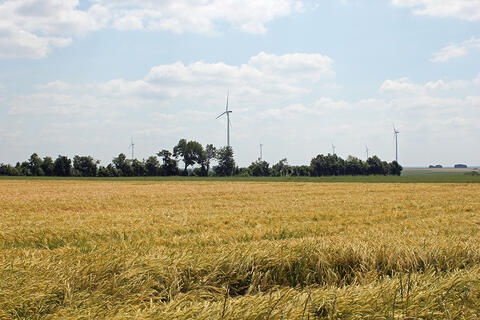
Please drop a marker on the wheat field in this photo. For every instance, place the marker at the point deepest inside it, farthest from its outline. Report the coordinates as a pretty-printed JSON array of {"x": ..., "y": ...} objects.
[{"x": 238, "y": 250}]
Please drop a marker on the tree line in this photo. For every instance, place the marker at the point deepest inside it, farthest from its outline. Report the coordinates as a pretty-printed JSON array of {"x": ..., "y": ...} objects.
[{"x": 197, "y": 161}]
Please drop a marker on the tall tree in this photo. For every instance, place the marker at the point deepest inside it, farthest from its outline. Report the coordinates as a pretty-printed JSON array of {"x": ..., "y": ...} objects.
[
  {"x": 123, "y": 165},
  {"x": 138, "y": 168},
  {"x": 259, "y": 169},
  {"x": 62, "y": 166},
  {"x": 152, "y": 166},
  {"x": 226, "y": 163},
  {"x": 191, "y": 152},
  {"x": 35, "y": 165},
  {"x": 48, "y": 166},
  {"x": 210, "y": 154},
  {"x": 281, "y": 168},
  {"x": 170, "y": 165},
  {"x": 85, "y": 165}
]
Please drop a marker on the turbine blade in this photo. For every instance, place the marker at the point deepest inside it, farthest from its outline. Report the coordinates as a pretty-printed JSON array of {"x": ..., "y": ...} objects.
[
  {"x": 221, "y": 114},
  {"x": 228, "y": 94}
]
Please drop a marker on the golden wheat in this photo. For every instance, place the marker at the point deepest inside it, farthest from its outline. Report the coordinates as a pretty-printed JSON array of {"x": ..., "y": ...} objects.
[{"x": 238, "y": 250}]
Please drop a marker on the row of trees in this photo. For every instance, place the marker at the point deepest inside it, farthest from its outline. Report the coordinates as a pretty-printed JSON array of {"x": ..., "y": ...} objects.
[{"x": 197, "y": 161}]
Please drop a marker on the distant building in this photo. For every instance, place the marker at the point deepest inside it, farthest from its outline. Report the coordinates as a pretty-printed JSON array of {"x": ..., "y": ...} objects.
[
  {"x": 460, "y": 166},
  {"x": 437, "y": 166}
]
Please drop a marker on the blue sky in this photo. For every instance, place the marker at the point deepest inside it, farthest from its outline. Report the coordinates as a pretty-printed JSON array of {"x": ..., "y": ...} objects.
[{"x": 84, "y": 77}]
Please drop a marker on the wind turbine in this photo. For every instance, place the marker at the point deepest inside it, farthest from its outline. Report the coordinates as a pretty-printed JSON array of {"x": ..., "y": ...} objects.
[
  {"x": 261, "y": 152},
  {"x": 227, "y": 112},
  {"x": 396, "y": 132},
  {"x": 132, "y": 145},
  {"x": 366, "y": 150},
  {"x": 333, "y": 148}
]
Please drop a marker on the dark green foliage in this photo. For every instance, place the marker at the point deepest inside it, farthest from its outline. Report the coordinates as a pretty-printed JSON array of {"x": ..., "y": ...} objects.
[
  {"x": 48, "y": 166},
  {"x": 395, "y": 168},
  {"x": 152, "y": 166},
  {"x": 281, "y": 168},
  {"x": 35, "y": 165},
  {"x": 226, "y": 163},
  {"x": 191, "y": 152},
  {"x": 62, "y": 166},
  {"x": 210, "y": 154},
  {"x": 123, "y": 165},
  {"x": 170, "y": 165},
  {"x": 138, "y": 168},
  {"x": 85, "y": 166},
  {"x": 259, "y": 169},
  {"x": 300, "y": 171},
  {"x": 8, "y": 170}
]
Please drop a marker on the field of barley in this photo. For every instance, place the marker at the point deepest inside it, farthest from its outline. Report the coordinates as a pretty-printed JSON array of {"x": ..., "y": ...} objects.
[{"x": 238, "y": 250}]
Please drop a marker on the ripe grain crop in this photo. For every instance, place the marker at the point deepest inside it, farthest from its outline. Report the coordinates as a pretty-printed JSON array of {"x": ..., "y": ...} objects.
[{"x": 238, "y": 250}]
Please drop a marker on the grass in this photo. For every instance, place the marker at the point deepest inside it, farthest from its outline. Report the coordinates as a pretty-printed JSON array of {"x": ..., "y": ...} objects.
[
  {"x": 238, "y": 250},
  {"x": 408, "y": 177}
]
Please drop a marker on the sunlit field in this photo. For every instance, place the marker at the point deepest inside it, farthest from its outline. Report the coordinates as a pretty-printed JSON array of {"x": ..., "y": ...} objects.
[{"x": 238, "y": 250}]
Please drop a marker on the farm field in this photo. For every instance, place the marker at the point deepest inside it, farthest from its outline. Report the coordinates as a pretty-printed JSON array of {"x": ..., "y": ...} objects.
[{"x": 89, "y": 249}]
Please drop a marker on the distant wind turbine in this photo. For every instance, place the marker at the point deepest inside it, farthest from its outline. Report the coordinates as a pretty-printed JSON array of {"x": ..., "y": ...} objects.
[
  {"x": 227, "y": 112},
  {"x": 132, "y": 145},
  {"x": 261, "y": 152},
  {"x": 366, "y": 150},
  {"x": 333, "y": 148},
  {"x": 396, "y": 132}
]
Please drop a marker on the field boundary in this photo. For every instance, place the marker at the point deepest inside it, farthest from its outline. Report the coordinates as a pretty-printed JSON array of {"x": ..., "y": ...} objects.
[{"x": 327, "y": 179}]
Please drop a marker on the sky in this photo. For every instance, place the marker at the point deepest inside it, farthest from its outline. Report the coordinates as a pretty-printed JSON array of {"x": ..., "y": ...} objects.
[{"x": 85, "y": 77}]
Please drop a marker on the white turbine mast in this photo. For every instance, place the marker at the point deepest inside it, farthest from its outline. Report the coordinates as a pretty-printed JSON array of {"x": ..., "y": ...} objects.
[
  {"x": 366, "y": 150},
  {"x": 227, "y": 112},
  {"x": 132, "y": 145},
  {"x": 333, "y": 149},
  {"x": 261, "y": 152},
  {"x": 396, "y": 132}
]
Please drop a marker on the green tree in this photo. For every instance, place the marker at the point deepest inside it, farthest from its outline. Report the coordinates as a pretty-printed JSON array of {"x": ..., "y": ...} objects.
[
  {"x": 85, "y": 165},
  {"x": 170, "y": 165},
  {"x": 62, "y": 166},
  {"x": 375, "y": 166},
  {"x": 8, "y": 170},
  {"x": 152, "y": 166},
  {"x": 210, "y": 154},
  {"x": 281, "y": 168},
  {"x": 395, "y": 168},
  {"x": 226, "y": 163},
  {"x": 123, "y": 165},
  {"x": 48, "y": 166},
  {"x": 259, "y": 169},
  {"x": 35, "y": 165},
  {"x": 191, "y": 152},
  {"x": 138, "y": 168}
]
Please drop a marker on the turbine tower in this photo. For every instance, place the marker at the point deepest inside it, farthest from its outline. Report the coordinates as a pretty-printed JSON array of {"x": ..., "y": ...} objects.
[
  {"x": 132, "y": 145},
  {"x": 227, "y": 112},
  {"x": 396, "y": 132},
  {"x": 261, "y": 152},
  {"x": 366, "y": 150},
  {"x": 333, "y": 149}
]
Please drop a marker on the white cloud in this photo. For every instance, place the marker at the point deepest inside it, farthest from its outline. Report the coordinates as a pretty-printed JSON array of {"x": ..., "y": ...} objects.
[
  {"x": 462, "y": 9},
  {"x": 31, "y": 28},
  {"x": 198, "y": 16},
  {"x": 265, "y": 79},
  {"x": 404, "y": 86},
  {"x": 453, "y": 51}
]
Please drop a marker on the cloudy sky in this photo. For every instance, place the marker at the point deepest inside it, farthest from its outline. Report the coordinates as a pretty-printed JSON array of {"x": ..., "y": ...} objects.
[{"x": 83, "y": 77}]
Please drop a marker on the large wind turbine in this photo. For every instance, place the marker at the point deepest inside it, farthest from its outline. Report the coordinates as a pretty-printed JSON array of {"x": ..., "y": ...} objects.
[
  {"x": 396, "y": 132},
  {"x": 227, "y": 112}
]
